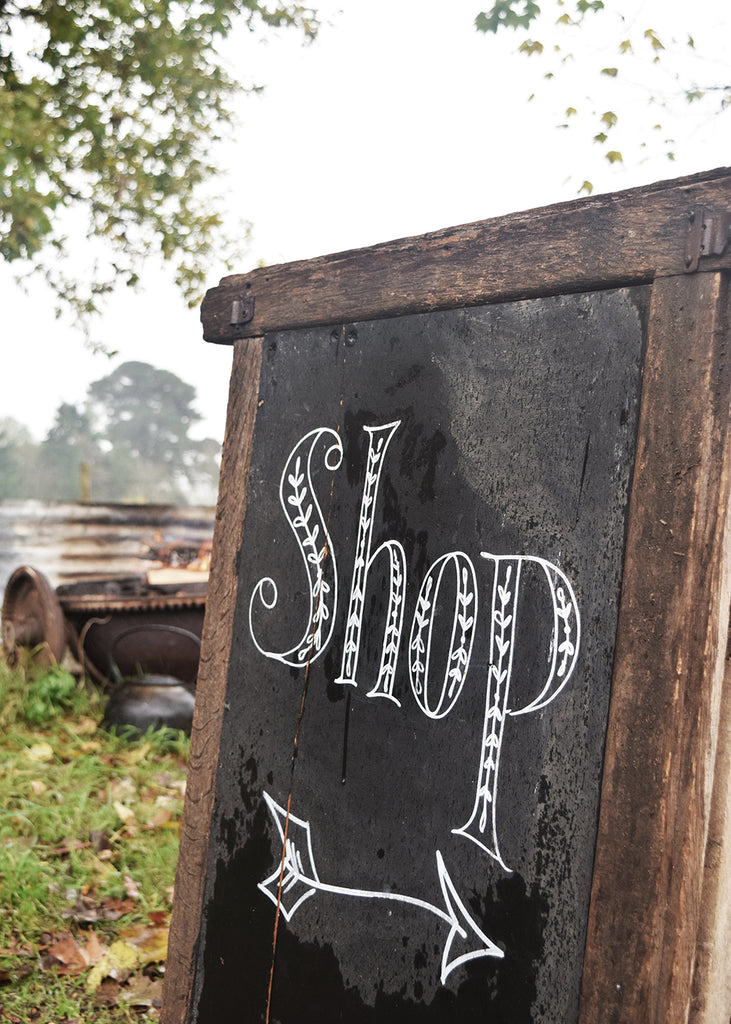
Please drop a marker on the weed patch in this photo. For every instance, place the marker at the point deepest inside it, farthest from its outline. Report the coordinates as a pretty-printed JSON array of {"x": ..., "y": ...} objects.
[{"x": 89, "y": 832}]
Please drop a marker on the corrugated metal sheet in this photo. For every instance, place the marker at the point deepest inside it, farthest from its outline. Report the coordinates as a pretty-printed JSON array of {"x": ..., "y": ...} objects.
[{"x": 69, "y": 541}]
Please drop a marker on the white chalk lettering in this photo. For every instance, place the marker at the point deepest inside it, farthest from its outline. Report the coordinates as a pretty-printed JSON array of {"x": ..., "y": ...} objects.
[
  {"x": 379, "y": 439},
  {"x": 303, "y": 512},
  {"x": 445, "y": 604}
]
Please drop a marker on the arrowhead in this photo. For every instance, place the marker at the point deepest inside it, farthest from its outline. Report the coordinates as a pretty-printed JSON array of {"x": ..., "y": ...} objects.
[
  {"x": 464, "y": 929},
  {"x": 295, "y": 877}
]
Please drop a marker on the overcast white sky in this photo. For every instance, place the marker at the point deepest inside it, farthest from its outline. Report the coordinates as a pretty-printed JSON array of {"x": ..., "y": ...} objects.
[{"x": 399, "y": 119}]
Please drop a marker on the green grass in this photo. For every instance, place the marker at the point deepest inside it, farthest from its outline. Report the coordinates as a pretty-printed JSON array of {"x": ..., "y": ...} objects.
[{"x": 89, "y": 828}]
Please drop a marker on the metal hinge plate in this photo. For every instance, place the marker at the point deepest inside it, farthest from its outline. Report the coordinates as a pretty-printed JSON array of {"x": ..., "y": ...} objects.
[
  {"x": 242, "y": 310},
  {"x": 708, "y": 235}
]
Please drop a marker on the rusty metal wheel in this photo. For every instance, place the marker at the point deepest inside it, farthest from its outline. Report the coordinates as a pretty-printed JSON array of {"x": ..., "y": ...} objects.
[{"x": 32, "y": 618}]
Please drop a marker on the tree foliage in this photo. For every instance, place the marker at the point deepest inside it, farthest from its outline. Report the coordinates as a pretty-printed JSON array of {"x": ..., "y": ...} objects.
[
  {"x": 17, "y": 455},
  {"x": 133, "y": 434},
  {"x": 144, "y": 411},
  {"x": 110, "y": 107},
  {"x": 556, "y": 30}
]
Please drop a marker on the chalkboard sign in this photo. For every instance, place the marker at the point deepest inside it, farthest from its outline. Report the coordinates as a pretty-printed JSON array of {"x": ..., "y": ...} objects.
[{"x": 425, "y": 518}]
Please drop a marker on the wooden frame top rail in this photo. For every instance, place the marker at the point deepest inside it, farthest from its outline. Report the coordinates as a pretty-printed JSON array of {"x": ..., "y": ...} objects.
[{"x": 624, "y": 238}]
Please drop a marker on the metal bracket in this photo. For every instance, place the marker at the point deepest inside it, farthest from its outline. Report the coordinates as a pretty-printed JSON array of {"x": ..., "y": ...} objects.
[
  {"x": 708, "y": 235},
  {"x": 242, "y": 310}
]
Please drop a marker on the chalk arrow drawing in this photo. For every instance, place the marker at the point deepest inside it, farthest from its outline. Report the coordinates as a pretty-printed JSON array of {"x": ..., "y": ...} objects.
[{"x": 295, "y": 879}]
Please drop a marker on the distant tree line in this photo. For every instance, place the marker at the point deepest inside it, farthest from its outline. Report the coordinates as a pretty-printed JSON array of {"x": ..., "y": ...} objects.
[{"x": 129, "y": 440}]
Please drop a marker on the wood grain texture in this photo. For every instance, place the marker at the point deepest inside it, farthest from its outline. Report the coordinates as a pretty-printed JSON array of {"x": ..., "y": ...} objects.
[
  {"x": 599, "y": 242},
  {"x": 647, "y": 908},
  {"x": 212, "y": 677},
  {"x": 711, "y": 998}
]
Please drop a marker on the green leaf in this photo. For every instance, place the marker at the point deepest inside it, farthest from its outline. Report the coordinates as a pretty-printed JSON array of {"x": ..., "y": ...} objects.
[
  {"x": 625, "y": 46},
  {"x": 653, "y": 39},
  {"x": 112, "y": 122},
  {"x": 610, "y": 72},
  {"x": 601, "y": 137},
  {"x": 609, "y": 118},
  {"x": 586, "y": 187},
  {"x": 513, "y": 14},
  {"x": 530, "y": 46},
  {"x": 614, "y": 156},
  {"x": 570, "y": 111}
]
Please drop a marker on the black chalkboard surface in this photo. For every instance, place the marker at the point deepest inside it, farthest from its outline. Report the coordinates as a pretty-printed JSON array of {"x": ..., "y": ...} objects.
[{"x": 407, "y": 794}]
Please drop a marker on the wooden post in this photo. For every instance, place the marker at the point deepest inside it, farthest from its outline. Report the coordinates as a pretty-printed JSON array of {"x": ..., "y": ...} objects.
[
  {"x": 187, "y": 929},
  {"x": 665, "y": 727}
]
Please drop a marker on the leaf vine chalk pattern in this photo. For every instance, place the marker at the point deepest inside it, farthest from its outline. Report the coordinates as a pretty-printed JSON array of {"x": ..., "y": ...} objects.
[
  {"x": 481, "y": 827},
  {"x": 302, "y": 509},
  {"x": 379, "y": 439}
]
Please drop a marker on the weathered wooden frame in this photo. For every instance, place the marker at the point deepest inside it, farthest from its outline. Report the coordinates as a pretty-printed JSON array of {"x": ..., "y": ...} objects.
[{"x": 660, "y": 914}]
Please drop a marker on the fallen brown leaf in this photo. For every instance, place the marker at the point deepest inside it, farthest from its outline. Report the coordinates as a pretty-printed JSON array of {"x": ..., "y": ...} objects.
[
  {"x": 66, "y": 955},
  {"x": 131, "y": 887},
  {"x": 108, "y": 993},
  {"x": 143, "y": 993},
  {"x": 151, "y": 941},
  {"x": 88, "y": 910},
  {"x": 18, "y": 949},
  {"x": 69, "y": 957},
  {"x": 65, "y": 849},
  {"x": 161, "y": 817},
  {"x": 15, "y": 973},
  {"x": 128, "y": 954}
]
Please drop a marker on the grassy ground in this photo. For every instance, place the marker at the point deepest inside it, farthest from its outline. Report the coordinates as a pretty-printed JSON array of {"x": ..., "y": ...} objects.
[{"x": 89, "y": 828}]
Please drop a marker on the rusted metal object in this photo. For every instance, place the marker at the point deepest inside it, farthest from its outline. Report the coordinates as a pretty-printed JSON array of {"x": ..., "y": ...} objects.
[
  {"x": 118, "y": 627},
  {"x": 126, "y": 626},
  {"x": 32, "y": 617},
  {"x": 72, "y": 542},
  {"x": 134, "y": 628}
]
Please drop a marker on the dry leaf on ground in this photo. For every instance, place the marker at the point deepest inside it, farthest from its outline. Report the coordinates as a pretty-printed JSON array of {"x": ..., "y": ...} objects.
[
  {"x": 135, "y": 948},
  {"x": 124, "y": 813},
  {"x": 40, "y": 752},
  {"x": 131, "y": 887},
  {"x": 142, "y": 992},
  {"x": 69, "y": 957},
  {"x": 88, "y": 909},
  {"x": 108, "y": 993}
]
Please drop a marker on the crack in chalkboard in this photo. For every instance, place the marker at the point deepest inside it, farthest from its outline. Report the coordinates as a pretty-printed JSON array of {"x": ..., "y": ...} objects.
[
  {"x": 344, "y": 769},
  {"x": 295, "y": 748},
  {"x": 583, "y": 474}
]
